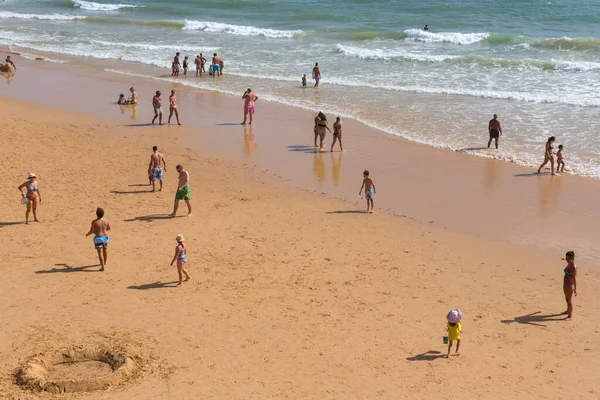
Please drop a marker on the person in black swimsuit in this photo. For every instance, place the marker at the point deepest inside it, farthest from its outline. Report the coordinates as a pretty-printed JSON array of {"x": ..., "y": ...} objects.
[
  {"x": 570, "y": 283},
  {"x": 548, "y": 156}
]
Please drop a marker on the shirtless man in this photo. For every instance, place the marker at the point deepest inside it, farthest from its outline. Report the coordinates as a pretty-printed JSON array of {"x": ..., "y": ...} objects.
[
  {"x": 249, "y": 99},
  {"x": 183, "y": 191},
  {"x": 495, "y": 130},
  {"x": 100, "y": 227},
  {"x": 216, "y": 63},
  {"x": 156, "y": 167},
  {"x": 176, "y": 65},
  {"x": 202, "y": 62},
  {"x": 11, "y": 62},
  {"x": 198, "y": 65},
  {"x": 316, "y": 73},
  {"x": 157, "y": 105}
]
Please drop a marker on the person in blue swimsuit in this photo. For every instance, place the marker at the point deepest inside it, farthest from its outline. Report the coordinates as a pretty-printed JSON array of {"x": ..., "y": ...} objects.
[
  {"x": 570, "y": 283},
  {"x": 100, "y": 227},
  {"x": 33, "y": 196},
  {"x": 181, "y": 257}
]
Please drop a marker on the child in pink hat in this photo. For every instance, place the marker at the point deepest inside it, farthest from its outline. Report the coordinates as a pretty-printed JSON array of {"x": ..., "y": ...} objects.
[{"x": 454, "y": 329}]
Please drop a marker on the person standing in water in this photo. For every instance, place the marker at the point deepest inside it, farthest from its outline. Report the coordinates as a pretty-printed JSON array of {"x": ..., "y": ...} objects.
[
  {"x": 198, "y": 67},
  {"x": 426, "y": 28},
  {"x": 134, "y": 95},
  {"x": 100, "y": 227},
  {"x": 32, "y": 196},
  {"x": 183, "y": 191},
  {"x": 176, "y": 65},
  {"x": 570, "y": 283},
  {"x": 173, "y": 108},
  {"x": 548, "y": 156},
  {"x": 337, "y": 133},
  {"x": 249, "y": 99},
  {"x": 495, "y": 130},
  {"x": 316, "y": 73},
  {"x": 156, "y": 167},
  {"x": 216, "y": 64}
]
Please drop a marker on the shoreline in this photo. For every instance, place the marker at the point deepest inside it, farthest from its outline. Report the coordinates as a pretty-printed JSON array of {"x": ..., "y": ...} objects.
[
  {"x": 488, "y": 198},
  {"x": 288, "y": 298}
]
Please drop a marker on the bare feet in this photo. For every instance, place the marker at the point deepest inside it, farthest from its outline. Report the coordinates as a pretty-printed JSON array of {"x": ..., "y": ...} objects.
[
  {"x": 172, "y": 215},
  {"x": 569, "y": 319},
  {"x": 178, "y": 123},
  {"x": 186, "y": 279},
  {"x": 178, "y": 285},
  {"x": 190, "y": 214},
  {"x": 456, "y": 354},
  {"x": 564, "y": 313},
  {"x": 242, "y": 123},
  {"x": 101, "y": 269}
]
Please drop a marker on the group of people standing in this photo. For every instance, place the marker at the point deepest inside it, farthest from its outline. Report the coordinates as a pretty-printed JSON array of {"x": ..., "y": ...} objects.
[
  {"x": 321, "y": 128},
  {"x": 215, "y": 68}
]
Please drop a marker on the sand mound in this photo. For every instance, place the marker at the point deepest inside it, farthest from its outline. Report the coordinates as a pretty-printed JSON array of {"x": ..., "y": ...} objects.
[{"x": 76, "y": 370}]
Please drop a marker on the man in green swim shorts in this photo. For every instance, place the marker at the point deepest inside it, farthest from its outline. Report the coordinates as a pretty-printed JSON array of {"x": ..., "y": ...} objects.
[{"x": 183, "y": 191}]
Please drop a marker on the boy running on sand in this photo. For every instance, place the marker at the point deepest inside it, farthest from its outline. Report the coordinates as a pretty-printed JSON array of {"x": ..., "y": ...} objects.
[
  {"x": 560, "y": 164},
  {"x": 181, "y": 257},
  {"x": 370, "y": 190},
  {"x": 100, "y": 227}
]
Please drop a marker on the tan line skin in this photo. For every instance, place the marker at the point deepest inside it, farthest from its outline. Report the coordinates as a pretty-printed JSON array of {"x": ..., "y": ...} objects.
[{"x": 33, "y": 197}]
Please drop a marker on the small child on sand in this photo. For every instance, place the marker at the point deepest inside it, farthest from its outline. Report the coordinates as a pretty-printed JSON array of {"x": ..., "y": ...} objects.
[
  {"x": 304, "y": 81},
  {"x": 560, "y": 164},
  {"x": 180, "y": 256},
  {"x": 370, "y": 190},
  {"x": 454, "y": 329}
]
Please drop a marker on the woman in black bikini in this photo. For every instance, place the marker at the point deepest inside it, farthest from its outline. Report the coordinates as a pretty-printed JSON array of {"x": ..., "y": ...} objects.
[
  {"x": 570, "y": 283},
  {"x": 548, "y": 156},
  {"x": 320, "y": 129}
]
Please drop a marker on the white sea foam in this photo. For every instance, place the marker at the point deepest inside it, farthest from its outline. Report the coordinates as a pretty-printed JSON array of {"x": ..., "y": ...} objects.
[
  {"x": 193, "y": 50},
  {"x": 239, "y": 30},
  {"x": 91, "y": 6},
  {"x": 49, "y": 17},
  {"x": 578, "y": 66},
  {"x": 382, "y": 54},
  {"x": 448, "y": 37}
]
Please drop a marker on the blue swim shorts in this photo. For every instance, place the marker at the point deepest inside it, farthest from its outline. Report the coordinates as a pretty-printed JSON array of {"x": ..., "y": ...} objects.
[
  {"x": 100, "y": 241},
  {"x": 157, "y": 173},
  {"x": 369, "y": 194},
  {"x": 216, "y": 68}
]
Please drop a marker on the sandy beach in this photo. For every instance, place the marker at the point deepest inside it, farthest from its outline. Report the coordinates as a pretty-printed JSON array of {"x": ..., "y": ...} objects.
[{"x": 294, "y": 293}]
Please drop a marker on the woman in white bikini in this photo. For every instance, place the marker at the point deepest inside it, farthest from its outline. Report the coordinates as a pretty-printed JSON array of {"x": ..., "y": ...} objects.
[
  {"x": 173, "y": 108},
  {"x": 32, "y": 196}
]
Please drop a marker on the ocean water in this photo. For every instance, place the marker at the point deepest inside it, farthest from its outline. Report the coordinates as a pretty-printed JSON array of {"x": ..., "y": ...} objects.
[{"x": 534, "y": 63}]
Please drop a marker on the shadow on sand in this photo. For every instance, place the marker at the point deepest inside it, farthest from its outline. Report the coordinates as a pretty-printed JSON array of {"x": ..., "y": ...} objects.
[
  {"x": 139, "y": 125},
  {"x": 304, "y": 149},
  {"x": 535, "y": 318},
  {"x": 67, "y": 268},
  {"x": 229, "y": 124},
  {"x": 130, "y": 191},
  {"x": 11, "y": 223},
  {"x": 347, "y": 212},
  {"x": 155, "y": 285},
  {"x": 472, "y": 149},
  {"x": 139, "y": 185},
  {"x": 430, "y": 355},
  {"x": 150, "y": 218},
  {"x": 527, "y": 175}
]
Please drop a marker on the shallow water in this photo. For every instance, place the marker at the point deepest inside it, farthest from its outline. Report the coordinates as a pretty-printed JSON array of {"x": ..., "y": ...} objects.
[{"x": 536, "y": 64}]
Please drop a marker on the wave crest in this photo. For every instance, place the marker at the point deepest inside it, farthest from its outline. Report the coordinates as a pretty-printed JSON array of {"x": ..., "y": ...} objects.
[
  {"x": 91, "y": 6},
  {"x": 45, "y": 17},
  {"x": 420, "y": 35},
  {"x": 239, "y": 30}
]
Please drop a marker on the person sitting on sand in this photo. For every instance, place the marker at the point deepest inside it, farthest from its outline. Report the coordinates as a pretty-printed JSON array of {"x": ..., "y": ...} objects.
[
  {"x": 321, "y": 129},
  {"x": 33, "y": 196},
  {"x": 183, "y": 191},
  {"x": 370, "y": 190},
  {"x": 548, "y": 156},
  {"x": 337, "y": 133},
  {"x": 157, "y": 105},
  {"x": 10, "y": 63},
  {"x": 173, "y": 108},
  {"x": 100, "y": 227},
  {"x": 122, "y": 101},
  {"x": 5, "y": 67},
  {"x": 157, "y": 166},
  {"x": 560, "y": 164},
  {"x": 495, "y": 130},
  {"x": 134, "y": 96},
  {"x": 249, "y": 99},
  {"x": 181, "y": 257}
]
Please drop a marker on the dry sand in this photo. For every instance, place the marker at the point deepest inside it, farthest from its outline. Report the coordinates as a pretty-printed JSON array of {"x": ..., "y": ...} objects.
[{"x": 294, "y": 295}]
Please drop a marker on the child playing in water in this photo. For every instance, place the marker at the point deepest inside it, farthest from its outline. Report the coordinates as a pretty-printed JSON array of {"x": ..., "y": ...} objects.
[
  {"x": 370, "y": 190},
  {"x": 181, "y": 257},
  {"x": 304, "y": 81},
  {"x": 560, "y": 164},
  {"x": 122, "y": 100}
]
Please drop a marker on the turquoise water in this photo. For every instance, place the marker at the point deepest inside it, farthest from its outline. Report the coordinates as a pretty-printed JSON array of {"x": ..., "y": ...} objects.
[{"x": 535, "y": 63}]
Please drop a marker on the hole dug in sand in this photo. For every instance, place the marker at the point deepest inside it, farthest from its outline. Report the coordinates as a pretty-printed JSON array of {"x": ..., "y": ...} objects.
[{"x": 76, "y": 370}]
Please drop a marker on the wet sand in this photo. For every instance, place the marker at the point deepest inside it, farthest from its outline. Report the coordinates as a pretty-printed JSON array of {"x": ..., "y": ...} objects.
[{"x": 294, "y": 294}]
